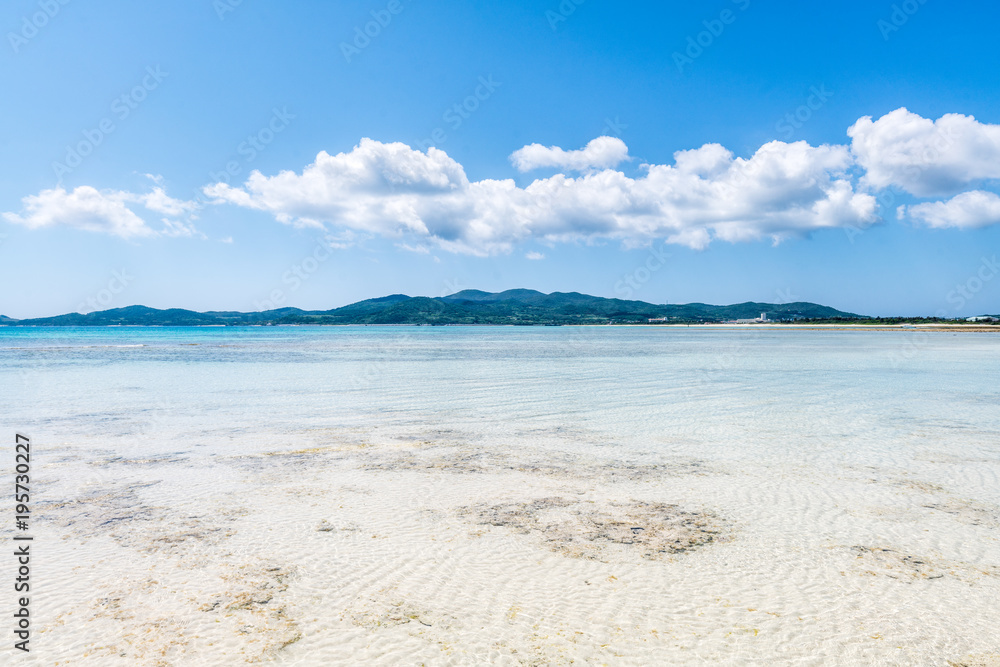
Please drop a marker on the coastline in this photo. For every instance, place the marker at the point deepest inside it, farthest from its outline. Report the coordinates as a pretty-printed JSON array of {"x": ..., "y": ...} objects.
[
  {"x": 971, "y": 328},
  {"x": 967, "y": 328}
]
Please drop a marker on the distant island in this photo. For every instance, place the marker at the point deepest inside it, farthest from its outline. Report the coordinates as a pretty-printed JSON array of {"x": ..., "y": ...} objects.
[{"x": 473, "y": 307}]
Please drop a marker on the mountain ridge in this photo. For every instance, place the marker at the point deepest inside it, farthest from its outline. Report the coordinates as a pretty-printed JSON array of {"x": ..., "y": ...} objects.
[{"x": 511, "y": 307}]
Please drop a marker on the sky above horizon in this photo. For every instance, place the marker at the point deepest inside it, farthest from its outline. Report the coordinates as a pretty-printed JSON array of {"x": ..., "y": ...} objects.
[{"x": 250, "y": 154}]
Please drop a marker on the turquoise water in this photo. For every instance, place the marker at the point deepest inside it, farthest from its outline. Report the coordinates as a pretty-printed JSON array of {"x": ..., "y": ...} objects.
[
  {"x": 854, "y": 477},
  {"x": 711, "y": 393}
]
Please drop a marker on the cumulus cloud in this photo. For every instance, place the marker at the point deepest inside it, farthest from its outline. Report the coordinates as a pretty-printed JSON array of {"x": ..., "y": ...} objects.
[
  {"x": 969, "y": 210},
  {"x": 107, "y": 212},
  {"x": 784, "y": 190},
  {"x": 84, "y": 208},
  {"x": 601, "y": 153},
  {"x": 425, "y": 201},
  {"x": 924, "y": 157},
  {"x": 160, "y": 202}
]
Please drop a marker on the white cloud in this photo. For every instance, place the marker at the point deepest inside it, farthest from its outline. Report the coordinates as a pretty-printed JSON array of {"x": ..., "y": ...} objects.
[
  {"x": 373, "y": 188},
  {"x": 534, "y": 255},
  {"x": 179, "y": 228},
  {"x": 924, "y": 157},
  {"x": 107, "y": 212},
  {"x": 84, "y": 208},
  {"x": 392, "y": 190},
  {"x": 968, "y": 210},
  {"x": 601, "y": 153},
  {"x": 418, "y": 249},
  {"x": 425, "y": 201},
  {"x": 159, "y": 201}
]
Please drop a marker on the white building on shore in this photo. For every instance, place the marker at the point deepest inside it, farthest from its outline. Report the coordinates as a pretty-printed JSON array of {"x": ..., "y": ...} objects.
[{"x": 760, "y": 320}]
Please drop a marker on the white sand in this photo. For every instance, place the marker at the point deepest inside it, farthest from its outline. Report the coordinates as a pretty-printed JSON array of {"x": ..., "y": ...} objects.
[{"x": 410, "y": 549}]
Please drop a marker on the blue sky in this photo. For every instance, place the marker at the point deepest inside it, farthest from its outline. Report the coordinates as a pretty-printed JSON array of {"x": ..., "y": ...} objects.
[{"x": 164, "y": 98}]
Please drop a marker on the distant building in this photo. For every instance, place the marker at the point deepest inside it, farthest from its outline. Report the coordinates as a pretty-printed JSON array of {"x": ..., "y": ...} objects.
[
  {"x": 760, "y": 320},
  {"x": 983, "y": 318}
]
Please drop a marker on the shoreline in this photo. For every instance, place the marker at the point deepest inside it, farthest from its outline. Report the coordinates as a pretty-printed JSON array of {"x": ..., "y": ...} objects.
[
  {"x": 841, "y": 327},
  {"x": 970, "y": 328}
]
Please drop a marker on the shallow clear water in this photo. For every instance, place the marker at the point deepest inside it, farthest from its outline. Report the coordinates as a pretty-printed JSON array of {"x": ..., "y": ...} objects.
[
  {"x": 807, "y": 443},
  {"x": 711, "y": 393}
]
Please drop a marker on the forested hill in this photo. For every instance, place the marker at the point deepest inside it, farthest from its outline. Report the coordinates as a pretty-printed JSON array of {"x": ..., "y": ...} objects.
[{"x": 520, "y": 306}]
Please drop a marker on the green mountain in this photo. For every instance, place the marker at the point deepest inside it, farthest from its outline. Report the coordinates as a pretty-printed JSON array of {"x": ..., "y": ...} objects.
[{"x": 516, "y": 307}]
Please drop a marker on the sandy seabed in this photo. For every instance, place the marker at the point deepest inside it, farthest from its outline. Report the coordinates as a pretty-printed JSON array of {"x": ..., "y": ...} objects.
[{"x": 419, "y": 548}]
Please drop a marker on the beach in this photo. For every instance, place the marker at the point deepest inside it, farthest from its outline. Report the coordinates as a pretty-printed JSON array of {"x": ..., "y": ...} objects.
[{"x": 512, "y": 496}]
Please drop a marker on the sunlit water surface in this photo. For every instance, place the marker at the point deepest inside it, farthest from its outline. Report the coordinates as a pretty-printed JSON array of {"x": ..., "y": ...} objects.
[{"x": 454, "y": 495}]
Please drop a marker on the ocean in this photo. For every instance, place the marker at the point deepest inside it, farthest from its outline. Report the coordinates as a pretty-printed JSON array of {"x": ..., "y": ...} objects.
[{"x": 509, "y": 495}]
